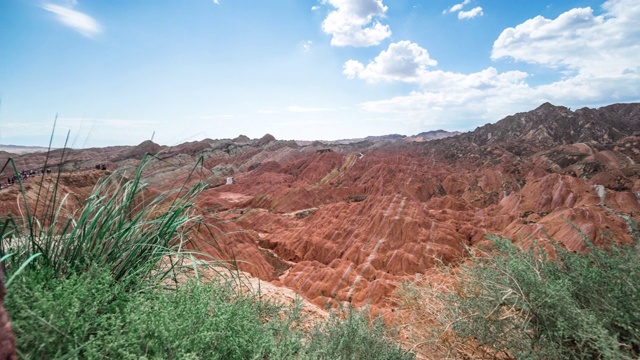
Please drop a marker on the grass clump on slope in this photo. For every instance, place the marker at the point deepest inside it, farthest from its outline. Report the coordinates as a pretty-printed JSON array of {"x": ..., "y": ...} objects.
[{"x": 117, "y": 228}]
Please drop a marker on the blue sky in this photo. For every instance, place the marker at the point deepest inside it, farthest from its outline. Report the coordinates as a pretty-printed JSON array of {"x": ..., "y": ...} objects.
[{"x": 118, "y": 72}]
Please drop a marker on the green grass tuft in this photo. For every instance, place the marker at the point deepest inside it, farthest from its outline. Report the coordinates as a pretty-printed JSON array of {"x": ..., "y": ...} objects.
[{"x": 116, "y": 228}]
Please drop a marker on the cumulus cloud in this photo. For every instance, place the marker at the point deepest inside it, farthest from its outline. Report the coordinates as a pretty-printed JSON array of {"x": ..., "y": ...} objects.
[
  {"x": 456, "y": 7},
  {"x": 475, "y": 12},
  {"x": 445, "y": 96},
  {"x": 402, "y": 61},
  {"x": 469, "y": 94},
  {"x": 593, "y": 51},
  {"x": 597, "y": 57},
  {"x": 76, "y": 20},
  {"x": 356, "y": 22}
]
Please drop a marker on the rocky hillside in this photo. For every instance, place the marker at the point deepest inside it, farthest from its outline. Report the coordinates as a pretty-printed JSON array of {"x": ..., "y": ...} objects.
[
  {"x": 549, "y": 126},
  {"x": 340, "y": 222}
]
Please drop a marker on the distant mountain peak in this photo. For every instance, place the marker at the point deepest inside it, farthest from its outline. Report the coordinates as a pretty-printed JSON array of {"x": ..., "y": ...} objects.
[
  {"x": 547, "y": 106},
  {"x": 241, "y": 139},
  {"x": 432, "y": 135},
  {"x": 267, "y": 138},
  {"x": 549, "y": 125}
]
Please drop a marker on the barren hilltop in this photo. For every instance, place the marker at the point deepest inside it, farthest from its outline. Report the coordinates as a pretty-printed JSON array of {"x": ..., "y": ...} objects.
[{"x": 349, "y": 221}]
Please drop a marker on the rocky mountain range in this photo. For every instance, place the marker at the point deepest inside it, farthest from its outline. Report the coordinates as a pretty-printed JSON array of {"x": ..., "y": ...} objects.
[{"x": 349, "y": 221}]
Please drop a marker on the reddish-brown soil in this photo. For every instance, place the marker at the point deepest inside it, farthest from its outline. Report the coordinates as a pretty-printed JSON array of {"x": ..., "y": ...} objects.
[{"x": 350, "y": 222}]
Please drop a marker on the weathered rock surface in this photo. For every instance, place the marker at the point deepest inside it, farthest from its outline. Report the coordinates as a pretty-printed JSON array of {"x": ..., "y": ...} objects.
[{"x": 340, "y": 222}]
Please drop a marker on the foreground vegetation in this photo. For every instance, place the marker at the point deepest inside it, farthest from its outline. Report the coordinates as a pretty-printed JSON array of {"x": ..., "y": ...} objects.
[
  {"x": 524, "y": 304},
  {"x": 91, "y": 283}
]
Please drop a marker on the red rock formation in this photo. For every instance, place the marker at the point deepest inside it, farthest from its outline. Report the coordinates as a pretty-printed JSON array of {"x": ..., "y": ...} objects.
[{"x": 352, "y": 223}]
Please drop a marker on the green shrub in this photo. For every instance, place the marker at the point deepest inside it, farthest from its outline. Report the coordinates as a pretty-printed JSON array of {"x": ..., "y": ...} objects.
[
  {"x": 93, "y": 316},
  {"x": 530, "y": 306},
  {"x": 55, "y": 318},
  {"x": 205, "y": 322},
  {"x": 354, "y": 337}
]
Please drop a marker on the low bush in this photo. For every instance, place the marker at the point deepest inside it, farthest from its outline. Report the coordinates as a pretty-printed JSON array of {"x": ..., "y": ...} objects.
[
  {"x": 355, "y": 336},
  {"x": 92, "y": 316},
  {"x": 527, "y": 305}
]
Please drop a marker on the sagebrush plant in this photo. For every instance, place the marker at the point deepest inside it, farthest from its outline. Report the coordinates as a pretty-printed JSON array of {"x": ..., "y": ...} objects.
[
  {"x": 422, "y": 303},
  {"x": 92, "y": 316},
  {"x": 527, "y": 305},
  {"x": 352, "y": 334}
]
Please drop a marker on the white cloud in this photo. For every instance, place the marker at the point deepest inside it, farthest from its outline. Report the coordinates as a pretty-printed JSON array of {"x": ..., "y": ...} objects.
[
  {"x": 80, "y": 22},
  {"x": 475, "y": 12},
  {"x": 402, "y": 61},
  {"x": 355, "y": 22},
  {"x": 469, "y": 94},
  {"x": 598, "y": 54},
  {"x": 486, "y": 94},
  {"x": 295, "y": 108},
  {"x": 315, "y": 8},
  {"x": 598, "y": 58},
  {"x": 217, "y": 2},
  {"x": 456, "y": 7},
  {"x": 306, "y": 46}
]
